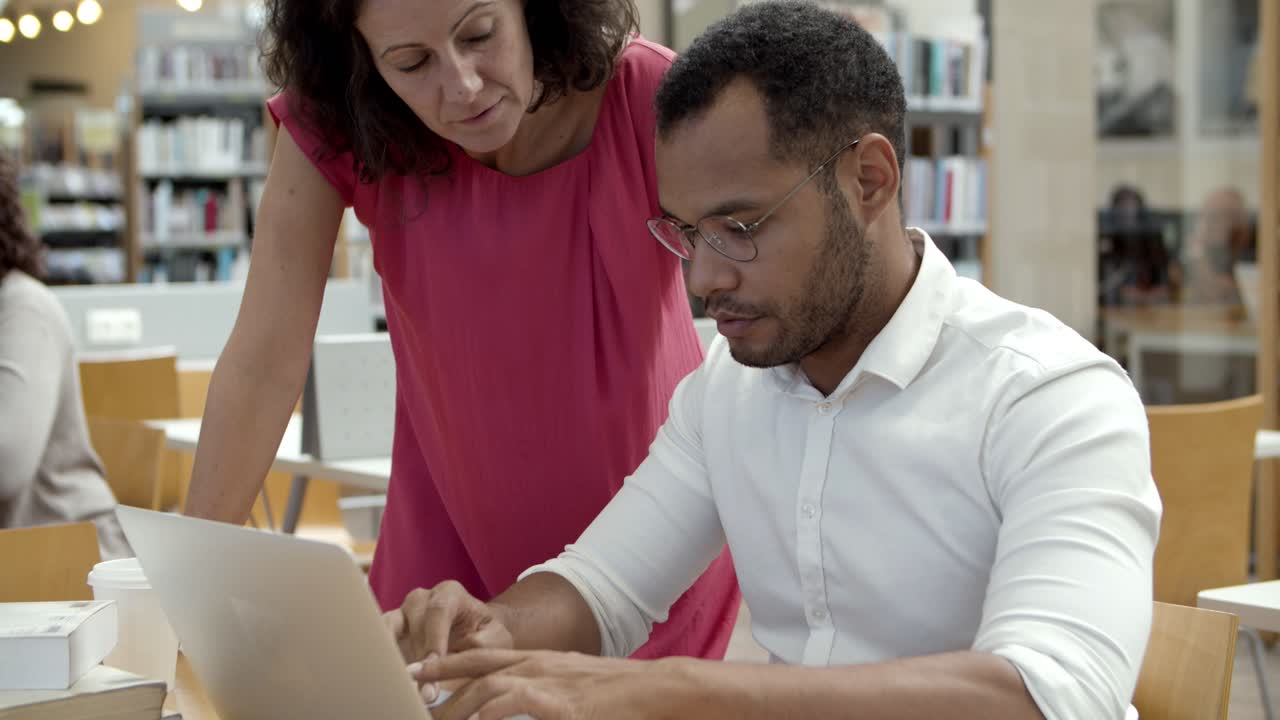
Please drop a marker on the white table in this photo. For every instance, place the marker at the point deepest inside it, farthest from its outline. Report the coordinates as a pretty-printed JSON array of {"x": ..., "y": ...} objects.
[
  {"x": 1267, "y": 445},
  {"x": 368, "y": 473},
  {"x": 1256, "y": 604}
]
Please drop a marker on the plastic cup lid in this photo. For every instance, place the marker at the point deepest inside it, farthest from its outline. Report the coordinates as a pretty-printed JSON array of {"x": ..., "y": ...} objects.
[{"x": 124, "y": 574}]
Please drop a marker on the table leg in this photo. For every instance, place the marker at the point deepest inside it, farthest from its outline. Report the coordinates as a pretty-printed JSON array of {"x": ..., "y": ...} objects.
[
  {"x": 293, "y": 511},
  {"x": 1264, "y": 528}
]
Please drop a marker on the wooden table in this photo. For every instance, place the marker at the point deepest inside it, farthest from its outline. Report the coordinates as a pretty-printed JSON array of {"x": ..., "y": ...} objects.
[
  {"x": 1178, "y": 329},
  {"x": 188, "y": 696}
]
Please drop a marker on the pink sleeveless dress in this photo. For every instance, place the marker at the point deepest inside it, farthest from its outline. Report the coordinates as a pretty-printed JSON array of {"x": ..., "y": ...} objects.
[{"x": 539, "y": 331}]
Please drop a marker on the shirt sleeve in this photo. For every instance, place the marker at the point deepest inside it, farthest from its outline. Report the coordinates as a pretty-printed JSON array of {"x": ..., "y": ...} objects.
[
  {"x": 337, "y": 167},
  {"x": 30, "y": 378},
  {"x": 654, "y": 539},
  {"x": 1067, "y": 461}
]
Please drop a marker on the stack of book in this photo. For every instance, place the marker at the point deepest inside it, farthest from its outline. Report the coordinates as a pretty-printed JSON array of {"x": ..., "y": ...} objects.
[{"x": 50, "y": 666}]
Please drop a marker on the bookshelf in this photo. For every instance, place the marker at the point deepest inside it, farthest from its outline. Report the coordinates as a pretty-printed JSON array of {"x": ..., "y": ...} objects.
[
  {"x": 198, "y": 144},
  {"x": 73, "y": 192},
  {"x": 944, "y": 72},
  {"x": 942, "y": 51}
]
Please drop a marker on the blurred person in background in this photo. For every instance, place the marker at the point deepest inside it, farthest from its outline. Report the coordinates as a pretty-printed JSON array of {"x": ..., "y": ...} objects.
[{"x": 49, "y": 472}]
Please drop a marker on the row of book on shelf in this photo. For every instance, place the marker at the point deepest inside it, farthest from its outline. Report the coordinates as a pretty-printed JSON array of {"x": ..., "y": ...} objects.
[
  {"x": 195, "y": 66},
  {"x": 944, "y": 72},
  {"x": 200, "y": 144},
  {"x": 65, "y": 180},
  {"x": 950, "y": 191},
  {"x": 166, "y": 212}
]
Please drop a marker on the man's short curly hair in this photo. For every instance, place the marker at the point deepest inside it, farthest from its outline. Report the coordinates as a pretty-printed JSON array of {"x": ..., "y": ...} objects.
[
  {"x": 312, "y": 49},
  {"x": 824, "y": 79},
  {"x": 19, "y": 249}
]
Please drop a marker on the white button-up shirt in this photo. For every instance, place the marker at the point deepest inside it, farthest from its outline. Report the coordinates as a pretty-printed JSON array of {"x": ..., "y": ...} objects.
[{"x": 979, "y": 480}]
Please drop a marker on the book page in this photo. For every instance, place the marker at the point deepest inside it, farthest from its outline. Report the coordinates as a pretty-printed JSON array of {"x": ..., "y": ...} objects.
[{"x": 48, "y": 619}]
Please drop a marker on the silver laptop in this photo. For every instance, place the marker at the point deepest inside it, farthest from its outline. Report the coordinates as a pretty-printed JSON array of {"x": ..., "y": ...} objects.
[{"x": 274, "y": 626}]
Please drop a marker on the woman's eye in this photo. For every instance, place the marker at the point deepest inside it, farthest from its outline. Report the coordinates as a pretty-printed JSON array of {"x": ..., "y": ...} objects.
[
  {"x": 414, "y": 66},
  {"x": 476, "y": 40}
]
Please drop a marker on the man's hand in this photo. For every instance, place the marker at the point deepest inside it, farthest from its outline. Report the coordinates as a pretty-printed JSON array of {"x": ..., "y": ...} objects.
[
  {"x": 549, "y": 685},
  {"x": 443, "y": 620}
]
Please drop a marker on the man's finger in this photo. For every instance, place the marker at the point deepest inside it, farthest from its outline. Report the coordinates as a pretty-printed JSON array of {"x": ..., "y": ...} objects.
[
  {"x": 470, "y": 664},
  {"x": 492, "y": 635},
  {"x": 395, "y": 623},
  {"x": 524, "y": 699},
  {"x": 467, "y": 701}
]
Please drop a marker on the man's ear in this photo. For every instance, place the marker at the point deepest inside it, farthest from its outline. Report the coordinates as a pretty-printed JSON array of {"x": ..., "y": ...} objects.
[{"x": 870, "y": 173}]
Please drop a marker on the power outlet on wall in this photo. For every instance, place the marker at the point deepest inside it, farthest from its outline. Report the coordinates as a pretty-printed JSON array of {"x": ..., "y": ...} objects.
[{"x": 113, "y": 326}]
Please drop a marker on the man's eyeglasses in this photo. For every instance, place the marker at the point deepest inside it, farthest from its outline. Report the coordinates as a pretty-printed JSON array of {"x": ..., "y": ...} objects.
[{"x": 727, "y": 236}]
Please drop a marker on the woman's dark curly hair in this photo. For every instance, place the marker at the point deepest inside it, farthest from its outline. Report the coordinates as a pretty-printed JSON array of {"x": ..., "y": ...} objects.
[
  {"x": 312, "y": 49},
  {"x": 19, "y": 249}
]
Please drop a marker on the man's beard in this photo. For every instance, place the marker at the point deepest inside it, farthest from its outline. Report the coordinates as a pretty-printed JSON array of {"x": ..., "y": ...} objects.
[{"x": 821, "y": 313}]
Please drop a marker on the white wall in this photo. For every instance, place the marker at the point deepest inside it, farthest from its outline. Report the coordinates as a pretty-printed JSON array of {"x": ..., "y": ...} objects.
[
  {"x": 652, "y": 19},
  {"x": 1042, "y": 242}
]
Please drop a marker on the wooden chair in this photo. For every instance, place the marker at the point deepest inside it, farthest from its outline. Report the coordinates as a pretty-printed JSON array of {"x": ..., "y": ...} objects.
[
  {"x": 137, "y": 385},
  {"x": 1202, "y": 461},
  {"x": 133, "y": 455},
  {"x": 1186, "y": 673},
  {"x": 51, "y": 562}
]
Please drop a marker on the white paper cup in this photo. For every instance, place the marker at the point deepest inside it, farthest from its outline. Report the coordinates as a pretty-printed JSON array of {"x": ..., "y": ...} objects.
[{"x": 147, "y": 645}]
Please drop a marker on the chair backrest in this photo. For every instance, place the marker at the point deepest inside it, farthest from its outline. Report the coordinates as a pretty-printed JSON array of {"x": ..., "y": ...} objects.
[
  {"x": 135, "y": 385},
  {"x": 132, "y": 454},
  {"x": 1202, "y": 460},
  {"x": 1186, "y": 673},
  {"x": 50, "y": 562}
]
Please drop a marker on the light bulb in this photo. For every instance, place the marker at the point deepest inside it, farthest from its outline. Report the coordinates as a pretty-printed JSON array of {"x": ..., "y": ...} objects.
[
  {"x": 191, "y": 5},
  {"x": 29, "y": 26},
  {"x": 62, "y": 21},
  {"x": 88, "y": 12},
  {"x": 7, "y": 30}
]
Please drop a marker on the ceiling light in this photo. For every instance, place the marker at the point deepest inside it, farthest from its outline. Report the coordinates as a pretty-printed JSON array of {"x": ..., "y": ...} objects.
[
  {"x": 7, "y": 30},
  {"x": 62, "y": 21},
  {"x": 29, "y": 26},
  {"x": 88, "y": 12},
  {"x": 191, "y": 5}
]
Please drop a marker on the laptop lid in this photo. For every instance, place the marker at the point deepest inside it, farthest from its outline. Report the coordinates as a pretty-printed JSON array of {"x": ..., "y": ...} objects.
[{"x": 273, "y": 625}]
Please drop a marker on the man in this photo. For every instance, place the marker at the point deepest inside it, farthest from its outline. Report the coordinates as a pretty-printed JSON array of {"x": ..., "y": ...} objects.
[{"x": 939, "y": 502}]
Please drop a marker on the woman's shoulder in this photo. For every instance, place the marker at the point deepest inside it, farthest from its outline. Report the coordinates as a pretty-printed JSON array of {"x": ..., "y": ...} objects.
[
  {"x": 643, "y": 63},
  {"x": 17, "y": 287},
  {"x": 23, "y": 295},
  {"x": 289, "y": 111}
]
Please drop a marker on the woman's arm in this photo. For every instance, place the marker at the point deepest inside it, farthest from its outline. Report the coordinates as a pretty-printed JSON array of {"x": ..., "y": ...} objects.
[
  {"x": 260, "y": 374},
  {"x": 31, "y": 365}
]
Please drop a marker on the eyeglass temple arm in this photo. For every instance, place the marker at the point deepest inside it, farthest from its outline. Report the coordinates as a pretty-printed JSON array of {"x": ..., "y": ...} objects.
[{"x": 797, "y": 188}]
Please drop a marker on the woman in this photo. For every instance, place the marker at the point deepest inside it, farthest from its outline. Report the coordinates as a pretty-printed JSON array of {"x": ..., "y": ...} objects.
[
  {"x": 48, "y": 470},
  {"x": 501, "y": 153}
]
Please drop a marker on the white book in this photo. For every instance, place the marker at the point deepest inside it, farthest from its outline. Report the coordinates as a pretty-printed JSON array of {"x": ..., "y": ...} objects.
[
  {"x": 103, "y": 693},
  {"x": 49, "y": 646}
]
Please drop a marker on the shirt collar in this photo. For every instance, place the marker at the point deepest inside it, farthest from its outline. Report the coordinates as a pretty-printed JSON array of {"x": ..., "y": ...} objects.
[{"x": 901, "y": 349}]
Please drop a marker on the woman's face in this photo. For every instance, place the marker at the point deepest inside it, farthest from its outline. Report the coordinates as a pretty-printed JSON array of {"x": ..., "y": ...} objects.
[{"x": 465, "y": 67}]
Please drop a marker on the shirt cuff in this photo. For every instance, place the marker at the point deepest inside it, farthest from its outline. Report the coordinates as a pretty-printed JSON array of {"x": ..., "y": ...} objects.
[
  {"x": 623, "y": 627},
  {"x": 1058, "y": 694}
]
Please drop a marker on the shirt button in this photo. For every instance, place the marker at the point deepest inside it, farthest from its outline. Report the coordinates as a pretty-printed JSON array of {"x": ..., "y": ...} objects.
[
  {"x": 819, "y": 614},
  {"x": 809, "y": 511},
  {"x": 824, "y": 408}
]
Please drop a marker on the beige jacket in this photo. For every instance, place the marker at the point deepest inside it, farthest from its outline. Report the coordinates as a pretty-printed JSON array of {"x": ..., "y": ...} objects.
[{"x": 48, "y": 470}]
